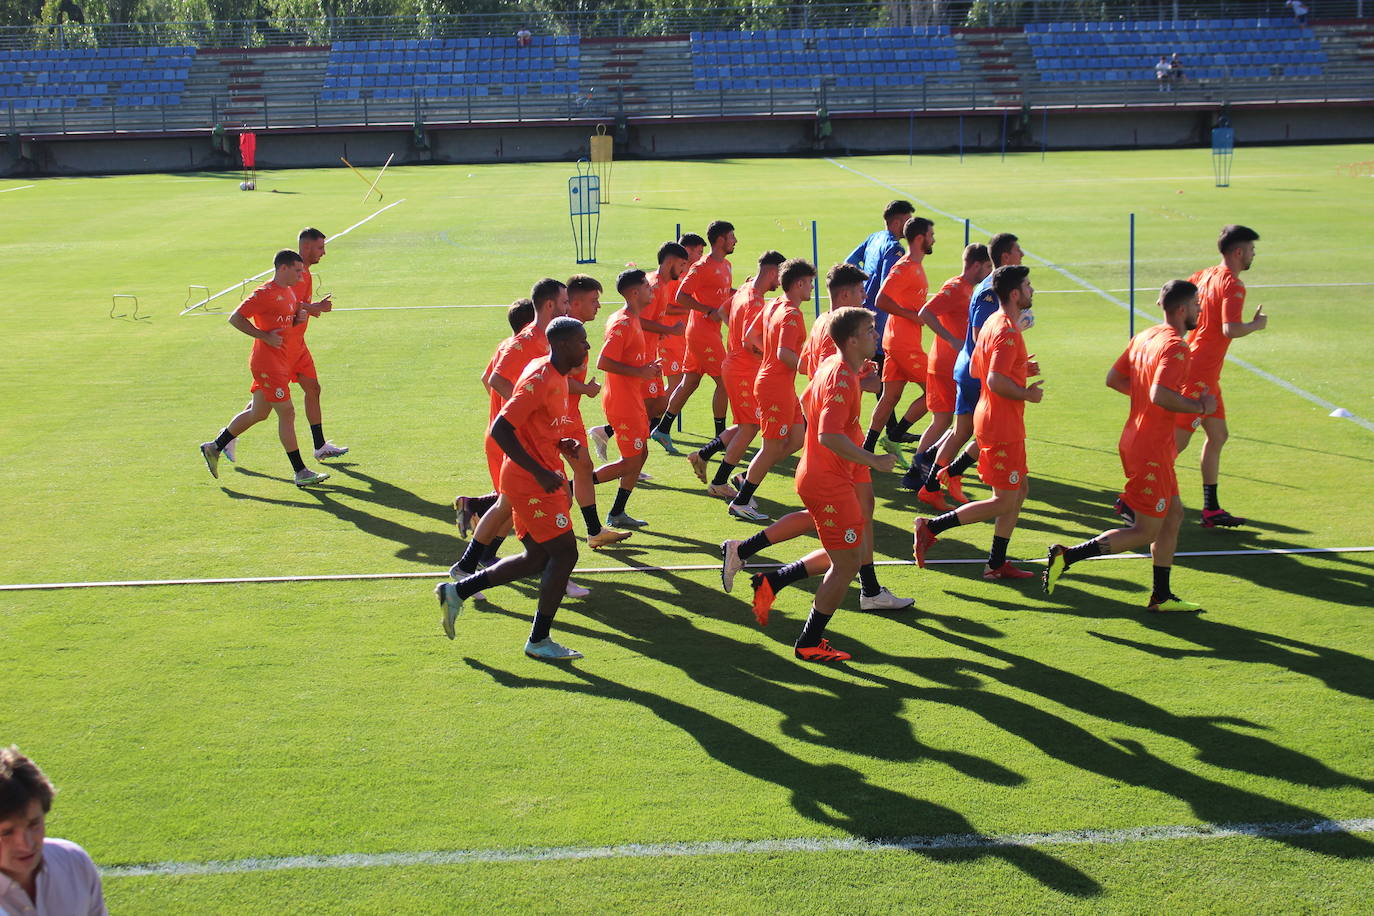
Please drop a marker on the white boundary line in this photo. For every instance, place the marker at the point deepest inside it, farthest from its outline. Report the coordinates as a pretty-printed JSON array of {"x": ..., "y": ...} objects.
[
  {"x": 337, "y": 235},
  {"x": 22, "y": 187},
  {"x": 1267, "y": 376},
  {"x": 748, "y": 847},
  {"x": 1153, "y": 289},
  {"x": 612, "y": 570}
]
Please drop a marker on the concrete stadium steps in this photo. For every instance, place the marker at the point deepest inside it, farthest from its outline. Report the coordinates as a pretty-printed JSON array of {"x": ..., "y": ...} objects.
[
  {"x": 999, "y": 58},
  {"x": 259, "y": 86},
  {"x": 643, "y": 73},
  {"x": 1349, "y": 47}
]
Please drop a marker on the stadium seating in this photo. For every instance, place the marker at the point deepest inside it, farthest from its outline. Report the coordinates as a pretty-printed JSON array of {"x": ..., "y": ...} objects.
[
  {"x": 1207, "y": 48},
  {"x": 451, "y": 68},
  {"x": 800, "y": 58},
  {"x": 93, "y": 77}
]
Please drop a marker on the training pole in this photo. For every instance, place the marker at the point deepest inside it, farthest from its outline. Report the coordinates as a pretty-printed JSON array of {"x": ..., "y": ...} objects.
[
  {"x": 1131, "y": 284},
  {"x": 816, "y": 262},
  {"x": 910, "y": 138},
  {"x": 1044, "y": 131},
  {"x": 379, "y": 178},
  {"x": 677, "y": 232},
  {"x": 967, "y": 227},
  {"x": 961, "y": 138},
  {"x": 1004, "y": 136}
]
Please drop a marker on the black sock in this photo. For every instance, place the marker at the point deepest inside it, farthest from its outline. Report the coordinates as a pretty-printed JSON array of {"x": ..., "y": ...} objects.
[
  {"x": 489, "y": 556},
  {"x": 998, "y": 555},
  {"x": 902, "y": 427},
  {"x": 609, "y": 430},
  {"x": 813, "y": 631},
  {"x": 471, "y": 585},
  {"x": 224, "y": 438},
  {"x": 781, "y": 578},
  {"x": 868, "y": 580},
  {"x": 932, "y": 484},
  {"x": 622, "y": 496},
  {"x": 746, "y": 493},
  {"x": 754, "y": 544},
  {"x": 961, "y": 464},
  {"x": 871, "y": 440},
  {"x": 720, "y": 425},
  {"x": 317, "y": 432},
  {"x": 665, "y": 425},
  {"x": 653, "y": 421},
  {"x": 942, "y": 523},
  {"x": 297, "y": 464},
  {"x": 1162, "y": 589},
  {"x": 472, "y": 557},
  {"x": 590, "y": 517},
  {"x": 539, "y": 631},
  {"x": 1209, "y": 497},
  {"x": 1089, "y": 548},
  {"x": 481, "y": 505},
  {"x": 723, "y": 473},
  {"x": 927, "y": 457},
  {"x": 712, "y": 447}
]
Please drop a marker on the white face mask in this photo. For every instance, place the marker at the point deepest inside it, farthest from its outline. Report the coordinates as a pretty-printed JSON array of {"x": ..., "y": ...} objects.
[{"x": 1027, "y": 320}]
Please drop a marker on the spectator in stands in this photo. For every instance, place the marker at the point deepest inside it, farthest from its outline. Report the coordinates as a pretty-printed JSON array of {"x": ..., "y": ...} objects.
[
  {"x": 524, "y": 38},
  {"x": 1162, "y": 75},
  {"x": 1299, "y": 11},
  {"x": 1175, "y": 68},
  {"x": 38, "y": 874}
]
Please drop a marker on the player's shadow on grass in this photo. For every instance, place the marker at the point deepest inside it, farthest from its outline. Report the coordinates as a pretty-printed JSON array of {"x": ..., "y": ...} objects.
[
  {"x": 431, "y": 548},
  {"x": 1326, "y": 453},
  {"x": 829, "y": 794}
]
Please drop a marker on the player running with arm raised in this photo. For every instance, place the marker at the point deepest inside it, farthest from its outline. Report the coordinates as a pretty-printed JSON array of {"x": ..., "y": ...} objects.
[
  {"x": 1152, "y": 373},
  {"x": 529, "y": 432}
]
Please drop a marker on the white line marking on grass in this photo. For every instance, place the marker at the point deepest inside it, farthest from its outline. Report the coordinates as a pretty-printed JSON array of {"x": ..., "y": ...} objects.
[
  {"x": 1151, "y": 289},
  {"x": 335, "y": 236},
  {"x": 22, "y": 187},
  {"x": 1074, "y": 278},
  {"x": 950, "y": 841},
  {"x": 612, "y": 570}
]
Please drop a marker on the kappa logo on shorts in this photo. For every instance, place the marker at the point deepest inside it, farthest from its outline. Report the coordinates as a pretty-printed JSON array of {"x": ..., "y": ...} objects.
[
  {"x": 1001, "y": 467},
  {"x": 1014, "y": 477},
  {"x": 560, "y": 520},
  {"x": 534, "y": 501},
  {"x": 828, "y": 509},
  {"x": 262, "y": 375},
  {"x": 1001, "y": 453},
  {"x": 1148, "y": 491},
  {"x": 849, "y": 536},
  {"x": 1159, "y": 506},
  {"x": 1151, "y": 477},
  {"x": 539, "y": 513},
  {"x": 829, "y": 523}
]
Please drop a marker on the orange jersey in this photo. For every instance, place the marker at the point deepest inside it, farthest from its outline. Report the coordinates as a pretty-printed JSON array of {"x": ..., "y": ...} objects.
[
  {"x": 819, "y": 347},
  {"x": 295, "y": 335},
  {"x": 831, "y": 404},
  {"x": 624, "y": 394},
  {"x": 950, "y": 307},
  {"x": 270, "y": 308},
  {"x": 574, "y": 399},
  {"x": 744, "y": 311},
  {"x": 512, "y": 356},
  {"x": 1000, "y": 348},
  {"x": 708, "y": 281},
  {"x": 783, "y": 327},
  {"x": 1221, "y": 296},
  {"x": 1155, "y": 356},
  {"x": 906, "y": 285},
  {"x": 657, "y": 309},
  {"x": 538, "y": 409}
]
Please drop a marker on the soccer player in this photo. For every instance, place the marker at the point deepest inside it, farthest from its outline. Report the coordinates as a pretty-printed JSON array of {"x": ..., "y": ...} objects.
[
  {"x": 529, "y": 431},
  {"x": 1221, "y": 295},
  {"x": 1001, "y": 361},
  {"x": 901, "y": 297},
  {"x": 265, "y": 316},
  {"x": 311, "y": 245},
  {"x": 743, "y": 358},
  {"x": 775, "y": 389},
  {"x": 673, "y": 349},
  {"x": 1005, "y": 250},
  {"x": 946, "y": 314},
  {"x": 628, "y": 367},
  {"x": 707, "y": 287},
  {"x": 584, "y": 301},
  {"x": 1152, "y": 373},
  {"x": 845, "y": 283},
  {"x": 831, "y": 468},
  {"x": 878, "y": 254}
]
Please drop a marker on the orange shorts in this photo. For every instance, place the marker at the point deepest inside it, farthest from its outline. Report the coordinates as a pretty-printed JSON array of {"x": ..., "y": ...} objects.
[
  {"x": 778, "y": 417},
  {"x": 655, "y": 387},
  {"x": 672, "y": 349},
  {"x": 905, "y": 366},
  {"x": 301, "y": 363},
  {"x": 273, "y": 378},
  {"x": 495, "y": 458},
  {"x": 1151, "y": 484},
  {"x": 704, "y": 357},
  {"x": 836, "y": 513},
  {"x": 739, "y": 390},
  {"x": 537, "y": 514},
  {"x": 1002, "y": 465},
  {"x": 576, "y": 429},
  {"x": 631, "y": 432},
  {"x": 1195, "y": 390},
  {"x": 941, "y": 392}
]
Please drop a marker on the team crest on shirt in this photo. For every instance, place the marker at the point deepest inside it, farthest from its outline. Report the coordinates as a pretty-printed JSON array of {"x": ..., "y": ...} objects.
[
  {"x": 280, "y": 393},
  {"x": 653, "y": 387},
  {"x": 849, "y": 536},
  {"x": 782, "y": 430},
  {"x": 1159, "y": 506},
  {"x": 560, "y": 520},
  {"x": 1014, "y": 477}
]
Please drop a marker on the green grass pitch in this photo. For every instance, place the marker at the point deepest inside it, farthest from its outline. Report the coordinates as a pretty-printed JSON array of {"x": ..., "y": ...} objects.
[{"x": 216, "y": 723}]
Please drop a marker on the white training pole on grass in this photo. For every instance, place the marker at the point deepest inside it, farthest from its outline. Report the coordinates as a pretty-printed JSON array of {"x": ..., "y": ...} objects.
[{"x": 379, "y": 178}]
